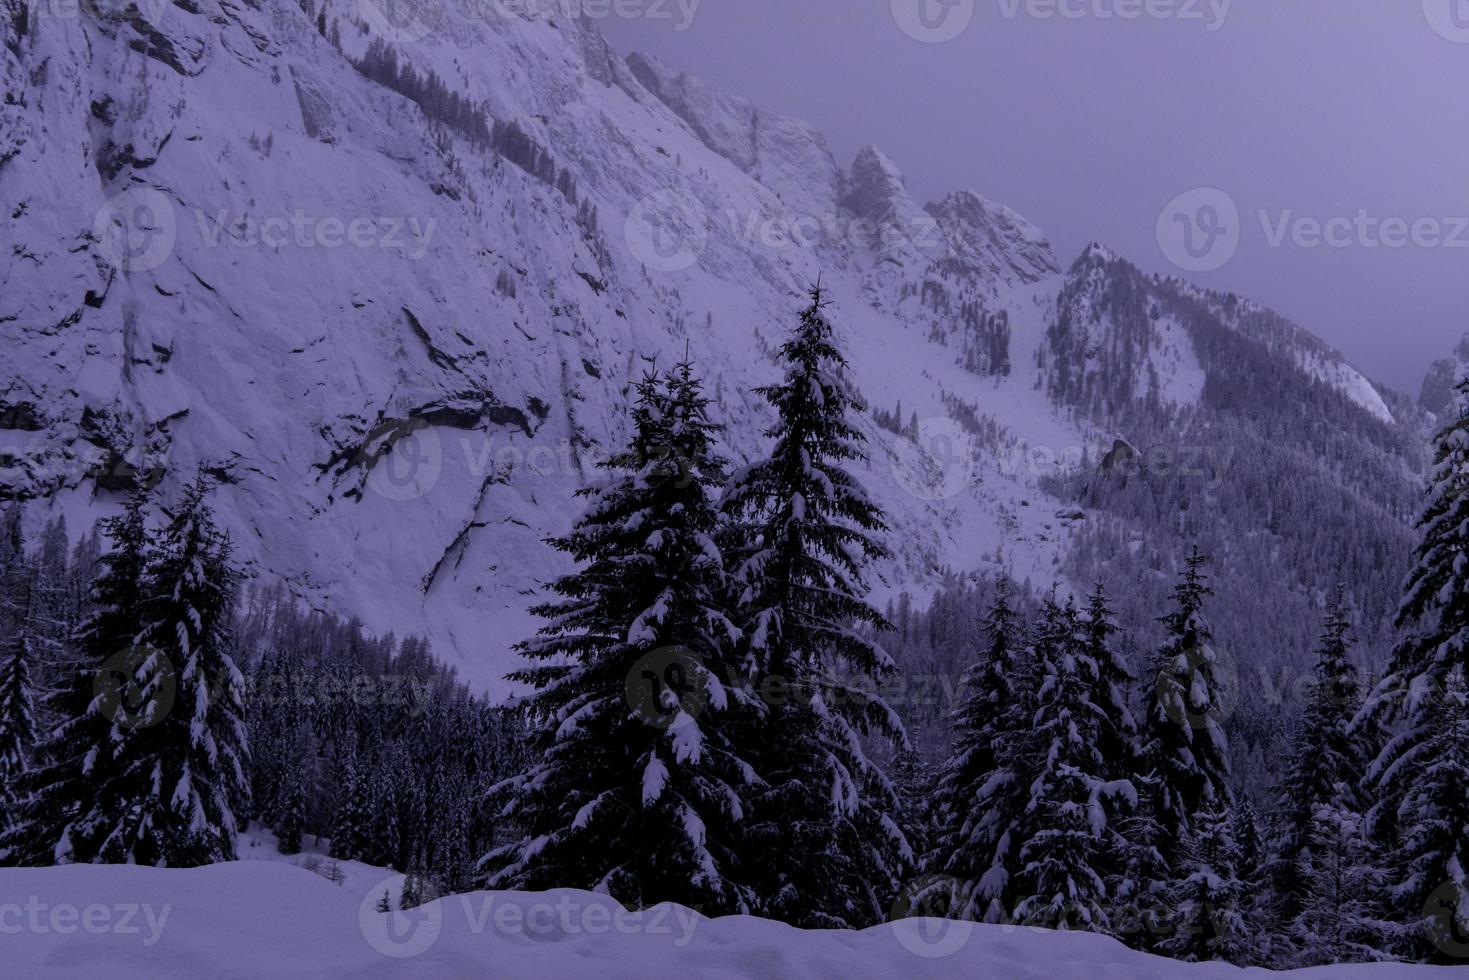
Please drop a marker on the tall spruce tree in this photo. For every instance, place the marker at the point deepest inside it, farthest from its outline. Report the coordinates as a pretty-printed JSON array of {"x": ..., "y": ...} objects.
[
  {"x": 1417, "y": 812},
  {"x": 18, "y": 649},
  {"x": 179, "y": 770},
  {"x": 1184, "y": 748},
  {"x": 1074, "y": 839},
  {"x": 1341, "y": 918},
  {"x": 825, "y": 826},
  {"x": 636, "y": 786},
  {"x": 1326, "y": 761},
  {"x": 1425, "y": 771},
  {"x": 982, "y": 792},
  {"x": 67, "y": 804},
  {"x": 1208, "y": 921}
]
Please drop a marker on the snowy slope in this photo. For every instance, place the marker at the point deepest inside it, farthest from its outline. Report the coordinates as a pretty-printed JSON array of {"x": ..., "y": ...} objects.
[
  {"x": 401, "y": 353},
  {"x": 286, "y": 922}
]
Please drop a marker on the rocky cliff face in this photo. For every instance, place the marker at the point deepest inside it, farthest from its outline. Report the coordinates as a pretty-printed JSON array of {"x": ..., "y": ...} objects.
[
  {"x": 1437, "y": 394},
  {"x": 389, "y": 281}
]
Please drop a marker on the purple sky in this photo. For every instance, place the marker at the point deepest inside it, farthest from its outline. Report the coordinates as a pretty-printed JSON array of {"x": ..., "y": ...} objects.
[{"x": 1090, "y": 125}]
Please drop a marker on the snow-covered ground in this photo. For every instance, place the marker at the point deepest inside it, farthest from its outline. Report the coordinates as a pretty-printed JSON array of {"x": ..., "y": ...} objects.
[{"x": 271, "y": 918}]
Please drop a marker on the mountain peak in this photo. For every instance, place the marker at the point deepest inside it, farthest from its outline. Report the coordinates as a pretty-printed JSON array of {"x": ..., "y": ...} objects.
[{"x": 876, "y": 188}]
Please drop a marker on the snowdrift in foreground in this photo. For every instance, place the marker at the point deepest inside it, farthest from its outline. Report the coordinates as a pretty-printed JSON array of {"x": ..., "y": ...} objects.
[{"x": 266, "y": 918}]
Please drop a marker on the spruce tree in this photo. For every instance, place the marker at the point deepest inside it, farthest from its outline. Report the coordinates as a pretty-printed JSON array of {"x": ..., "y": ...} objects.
[
  {"x": 1117, "y": 728},
  {"x": 290, "y": 824},
  {"x": 982, "y": 792},
  {"x": 17, "y": 708},
  {"x": 179, "y": 770},
  {"x": 636, "y": 787},
  {"x": 1326, "y": 761},
  {"x": 1418, "y": 785},
  {"x": 826, "y": 824},
  {"x": 67, "y": 804},
  {"x": 1074, "y": 840},
  {"x": 1208, "y": 921},
  {"x": 1341, "y": 918},
  {"x": 351, "y": 824},
  {"x": 1184, "y": 748},
  {"x": 1425, "y": 770}
]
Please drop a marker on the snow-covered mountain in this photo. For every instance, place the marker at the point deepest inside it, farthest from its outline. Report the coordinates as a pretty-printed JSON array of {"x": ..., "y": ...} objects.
[{"x": 389, "y": 279}]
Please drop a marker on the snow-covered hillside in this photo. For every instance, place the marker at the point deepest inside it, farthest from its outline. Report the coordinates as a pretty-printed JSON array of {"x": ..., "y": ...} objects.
[
  {"x": 265, "y": 918},
  {"x": 401, "y": 346}
]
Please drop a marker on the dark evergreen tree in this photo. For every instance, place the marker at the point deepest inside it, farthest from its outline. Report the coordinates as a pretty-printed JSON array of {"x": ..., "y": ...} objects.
[
  {"x": 828, "y": 849},
  {"x": 1418, "y": 786},
  {"x": 1326, "y": 760},
  {"x": 1208, "y": 921},
  {"x": 178, "y": 772},
  {"x": 1117, "y": 728},
  {"x": 982, "y": 792},
  {"x": 1341, "y": 917},
  {"x": 635, "y": 785},
  {"x": 68, "y": 806},
  {"x": 1139, "y": 893},
  {"x": 1184, "y": 748},
  {"x": 290, "y": 823},
  {"x": 17, "y": 655},
  {"x": 1074, "y": 841},
  {"x": 352, "y": 824},
  {"x": 1425, "y": 771}
]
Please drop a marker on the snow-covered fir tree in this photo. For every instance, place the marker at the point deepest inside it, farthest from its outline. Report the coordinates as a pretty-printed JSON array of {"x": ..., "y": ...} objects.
[
  {"x": 290, "y": 822},
  {"x": 18, "y": 649},
  {"x": 1341, "y": 916},
  {"x": 1208, "y": 921},
  {"x": 1183, "y": 745},
  {"x": 1073, "y": 803},
  {"x": 1139, "y": 900},
  {"x": 1424, "y": 772},
  {"x": 1326, "y": 761},
  {"x": 826, "y": 838},
  {"x": 352, "y": 824},
  {"x": 636, "y": 786},
  {"x": 982, "y": 792},
  {"x": 1117, "y": 728},
  {"x": 68, "y": 806},
  {"x": 179, "y": 773},
  {"x": 1418, "y": 786}
]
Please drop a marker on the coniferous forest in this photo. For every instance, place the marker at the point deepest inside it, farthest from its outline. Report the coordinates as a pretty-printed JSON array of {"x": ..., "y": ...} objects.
[{"x": 717, "y": 716}]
